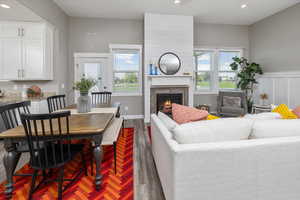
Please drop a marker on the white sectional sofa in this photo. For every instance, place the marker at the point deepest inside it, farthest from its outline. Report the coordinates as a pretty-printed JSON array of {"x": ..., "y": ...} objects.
[{"x": 255, "y": 169}]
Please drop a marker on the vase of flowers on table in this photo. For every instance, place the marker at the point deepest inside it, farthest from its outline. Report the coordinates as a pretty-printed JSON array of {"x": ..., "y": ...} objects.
[{"x": 84, "y": 103}]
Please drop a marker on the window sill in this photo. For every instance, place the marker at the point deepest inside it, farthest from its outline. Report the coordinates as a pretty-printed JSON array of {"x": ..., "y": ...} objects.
[
  {"x": 197, "y": 92},
  {"x": 126, "y": 94}
]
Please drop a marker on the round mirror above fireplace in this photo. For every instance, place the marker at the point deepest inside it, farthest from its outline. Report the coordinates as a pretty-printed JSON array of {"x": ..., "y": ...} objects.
[{"x": 169, "y": 63}]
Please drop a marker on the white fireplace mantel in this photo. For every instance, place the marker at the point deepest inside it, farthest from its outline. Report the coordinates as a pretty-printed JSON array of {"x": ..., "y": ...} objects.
[{"x": 176, "y": 80}]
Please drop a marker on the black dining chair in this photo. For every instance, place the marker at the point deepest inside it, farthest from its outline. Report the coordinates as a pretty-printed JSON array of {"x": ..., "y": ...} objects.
[
  {"x": 99, "y": 98},
  {"x": 53, "y": 132},
  {"x": 10, "y": 114},
  {"x": 56, "y": 102}
]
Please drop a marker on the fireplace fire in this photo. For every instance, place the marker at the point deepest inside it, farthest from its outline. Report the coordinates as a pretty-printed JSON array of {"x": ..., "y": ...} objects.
[{"x": 164, "y": 102}]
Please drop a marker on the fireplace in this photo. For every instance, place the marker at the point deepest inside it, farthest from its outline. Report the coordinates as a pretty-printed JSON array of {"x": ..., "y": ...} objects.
[
  {"x": 164, "y": 101},
  {"x": 162, "y": 98}
]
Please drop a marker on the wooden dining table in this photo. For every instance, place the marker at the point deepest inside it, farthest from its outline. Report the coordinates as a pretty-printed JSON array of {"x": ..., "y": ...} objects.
[{"x": 82, "y": 126}]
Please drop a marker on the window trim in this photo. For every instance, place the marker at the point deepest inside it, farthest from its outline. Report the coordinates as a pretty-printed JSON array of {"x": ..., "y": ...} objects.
[
  {"x": 129, "y": 47},
  {"x": 214, "y": 89}
]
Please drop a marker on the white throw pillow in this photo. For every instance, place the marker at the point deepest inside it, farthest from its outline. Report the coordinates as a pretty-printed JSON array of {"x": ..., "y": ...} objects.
[
  {"x": 275, "y": 128},
  {"x": 228, "y": 129},
  {"x": 167, "y": 121},
  {"x": 266, "y": 115}
]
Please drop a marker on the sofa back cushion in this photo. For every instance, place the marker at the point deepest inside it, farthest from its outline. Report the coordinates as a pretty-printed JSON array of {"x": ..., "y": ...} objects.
[
  {"x": 275, "y": 128},
  {"x": 184, "y": 114},
  {"x": 265, "y": 115},
  {"x": 228, "y": 129},
  {"x": 169, "y": 123}
]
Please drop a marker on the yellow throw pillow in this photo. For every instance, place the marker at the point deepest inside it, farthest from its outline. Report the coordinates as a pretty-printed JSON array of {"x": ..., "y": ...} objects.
[
  {"x": 285, "y": 112},
  {"x": 212, "y": 117}
]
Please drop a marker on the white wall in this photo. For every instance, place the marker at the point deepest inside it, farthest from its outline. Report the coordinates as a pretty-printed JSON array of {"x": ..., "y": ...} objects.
[
  {"x": 167, "y": 33},
  {"x": 275, "y": 41}
]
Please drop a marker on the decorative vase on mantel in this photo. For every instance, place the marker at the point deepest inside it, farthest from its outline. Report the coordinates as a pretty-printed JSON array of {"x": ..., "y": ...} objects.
[{"x": 84, "y": 103}]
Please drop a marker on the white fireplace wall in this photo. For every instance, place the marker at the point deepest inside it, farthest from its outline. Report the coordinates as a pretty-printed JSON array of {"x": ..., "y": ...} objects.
[{"x": 168, "y": 33}]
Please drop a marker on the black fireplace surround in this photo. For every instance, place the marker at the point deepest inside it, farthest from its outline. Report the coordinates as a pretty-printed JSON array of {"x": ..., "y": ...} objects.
[{"x": 161, "y": 98}]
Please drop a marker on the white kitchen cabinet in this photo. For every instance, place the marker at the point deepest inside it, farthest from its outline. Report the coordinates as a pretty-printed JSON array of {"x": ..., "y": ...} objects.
[
  {"x": 10, "y": 30},
  {"x": 26, "y": 51},
  {"x": 33, "y": 62},
  {"x": 11, "y": 58}
]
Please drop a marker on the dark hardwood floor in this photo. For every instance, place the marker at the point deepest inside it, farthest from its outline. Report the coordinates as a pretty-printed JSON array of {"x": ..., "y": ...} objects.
[{"x": 146, "y": 181}]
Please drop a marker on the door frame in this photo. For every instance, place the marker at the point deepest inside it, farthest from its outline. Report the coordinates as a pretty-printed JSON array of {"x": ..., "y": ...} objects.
[{"x": 106, "y": 71}]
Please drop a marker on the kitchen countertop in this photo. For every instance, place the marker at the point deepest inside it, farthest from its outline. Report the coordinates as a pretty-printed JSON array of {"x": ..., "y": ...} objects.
[{"x": 18, "y": 98}]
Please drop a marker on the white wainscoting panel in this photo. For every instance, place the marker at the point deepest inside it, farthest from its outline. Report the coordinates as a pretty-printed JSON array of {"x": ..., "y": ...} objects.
[{"x": 281, "y": 87}]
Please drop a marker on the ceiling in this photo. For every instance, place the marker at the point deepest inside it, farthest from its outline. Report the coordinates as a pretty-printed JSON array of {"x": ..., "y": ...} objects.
[
  {"x": 17, "y": 12},
  {"x": 206, "y": 11}
]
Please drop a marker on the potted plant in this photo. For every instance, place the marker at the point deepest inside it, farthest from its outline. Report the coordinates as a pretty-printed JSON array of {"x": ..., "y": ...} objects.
[
  {"x": 246, "y": 77},
  {"x": 84, "y": 103},
  {"x": 264, "y": 97}
]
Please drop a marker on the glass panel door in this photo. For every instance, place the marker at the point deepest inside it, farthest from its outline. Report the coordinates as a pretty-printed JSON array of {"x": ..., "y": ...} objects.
[{"x": 93, "y": 70}]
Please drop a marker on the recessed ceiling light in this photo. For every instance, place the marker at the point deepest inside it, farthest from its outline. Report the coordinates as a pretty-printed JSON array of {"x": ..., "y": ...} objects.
[
  {"x": 4, "y": 6},
  {"x": 244, "y": 6},
  {"x": 177, "y": 1}
]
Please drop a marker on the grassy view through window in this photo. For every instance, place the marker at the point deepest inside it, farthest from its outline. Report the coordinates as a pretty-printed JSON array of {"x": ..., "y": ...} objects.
[{"x": 126, "y": 71}]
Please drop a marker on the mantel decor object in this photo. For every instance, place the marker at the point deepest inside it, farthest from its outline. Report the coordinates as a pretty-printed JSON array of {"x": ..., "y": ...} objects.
[
  {"x": 169, "y": 63},
  {"x": 84, "y": 102}
]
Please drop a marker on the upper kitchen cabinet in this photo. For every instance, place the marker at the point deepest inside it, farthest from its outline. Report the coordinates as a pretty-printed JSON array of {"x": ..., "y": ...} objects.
[{"x": 26, "y": 51}]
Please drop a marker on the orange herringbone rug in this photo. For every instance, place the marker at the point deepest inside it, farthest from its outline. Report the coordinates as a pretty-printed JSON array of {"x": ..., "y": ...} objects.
[{"x": 114, "y": 186}]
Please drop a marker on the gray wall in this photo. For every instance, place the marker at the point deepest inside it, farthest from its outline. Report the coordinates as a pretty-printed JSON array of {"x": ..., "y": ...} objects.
[
  {"x": 95, "y": 35},
  {"x": 275, "y": 41},
  {"x": 54, "y": 15},
  {"x": 219, "y": 35}
]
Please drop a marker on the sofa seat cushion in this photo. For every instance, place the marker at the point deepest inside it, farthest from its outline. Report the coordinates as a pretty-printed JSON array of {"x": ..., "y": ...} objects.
[
  {"x": 275, "y": 128},
  {"x": 184, "y": 114},
  {"x": 167, "y": 121},
  {"x": 228, "y": 129},
  {"x": 233, "y": 110}
]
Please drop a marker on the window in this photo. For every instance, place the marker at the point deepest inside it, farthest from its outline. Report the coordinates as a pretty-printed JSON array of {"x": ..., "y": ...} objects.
[
  {"x": 213, "y": 71},
  {"x": 226, "y": 76},
  {"x": 204, "y": 67},
  {"x": 126, "y": 69}
]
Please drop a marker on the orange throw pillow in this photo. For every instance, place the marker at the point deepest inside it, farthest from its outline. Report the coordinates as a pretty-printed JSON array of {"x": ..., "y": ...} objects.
[
  {"x": 296, "y": 111},
  {"x": 184, "y": 114}
]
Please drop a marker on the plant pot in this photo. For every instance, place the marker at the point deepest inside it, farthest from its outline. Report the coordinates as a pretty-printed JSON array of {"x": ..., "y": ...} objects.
[{"x": 84, "y": 103}]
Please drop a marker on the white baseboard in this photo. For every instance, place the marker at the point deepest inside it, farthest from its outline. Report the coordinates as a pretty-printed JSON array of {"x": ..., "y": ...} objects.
[{"x": 133, "y": 116}]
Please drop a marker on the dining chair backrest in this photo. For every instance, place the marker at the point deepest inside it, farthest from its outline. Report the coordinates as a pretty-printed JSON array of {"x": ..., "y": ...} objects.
[
  {"x": 101, "y": 98},
  {"x": 10, "y": 113},
  {"x": 56, "y": 102},
  {"x": 48, "y": 138}
]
